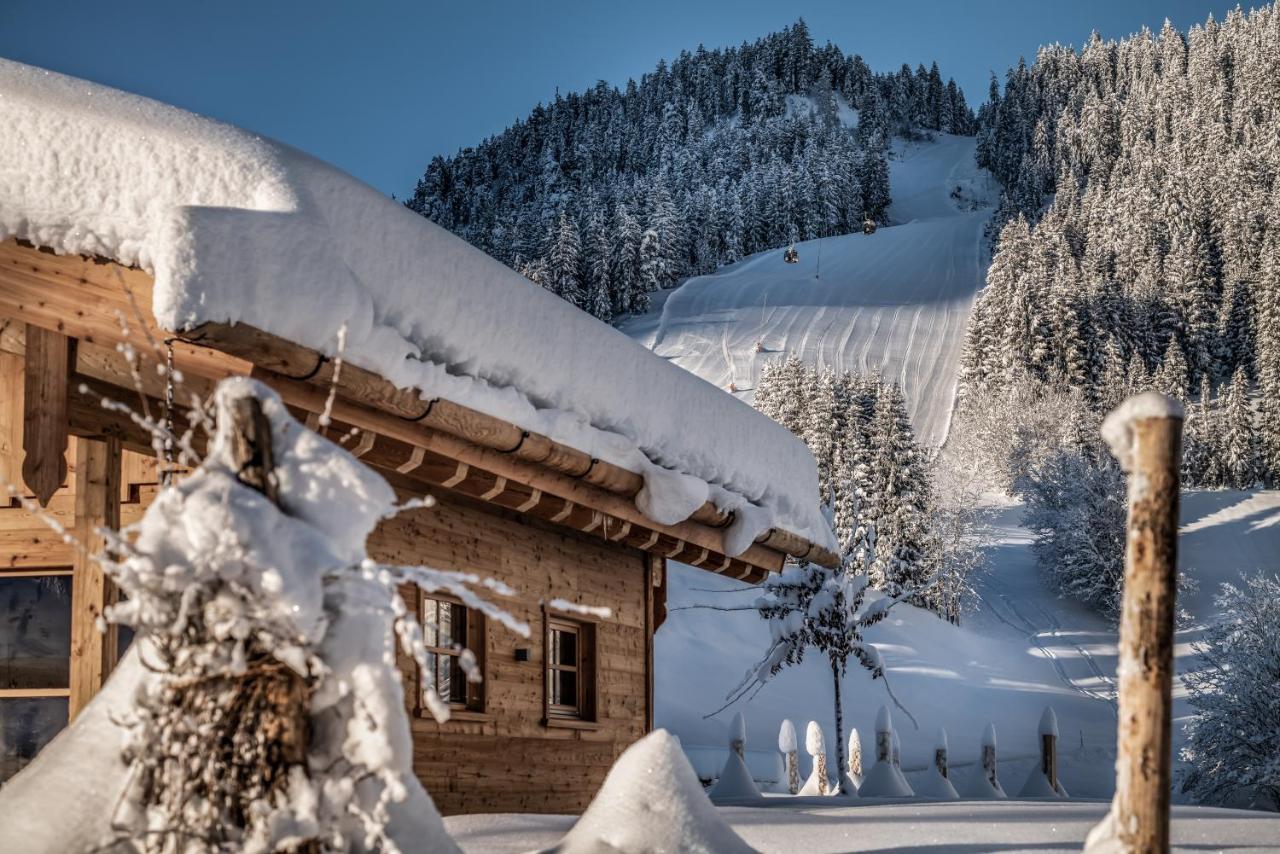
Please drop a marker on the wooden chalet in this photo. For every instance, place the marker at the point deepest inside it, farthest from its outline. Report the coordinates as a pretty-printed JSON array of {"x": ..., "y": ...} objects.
[
  {"x": 87, "y": 172},
  {"x": 552, "y": 713}
]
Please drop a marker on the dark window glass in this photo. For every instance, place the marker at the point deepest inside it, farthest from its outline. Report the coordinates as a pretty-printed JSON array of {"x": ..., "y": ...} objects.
[
  {"x": 567, "y": 648},
  {"x": 26, "y": 725},
  {"x": 35, "y": 631},
  {"x": 564, "y": 688},
  {"x": 444, "y": 629}
]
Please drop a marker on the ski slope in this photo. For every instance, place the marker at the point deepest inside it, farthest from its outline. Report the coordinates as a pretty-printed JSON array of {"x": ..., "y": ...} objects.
[{"x": 896, "y": 301}]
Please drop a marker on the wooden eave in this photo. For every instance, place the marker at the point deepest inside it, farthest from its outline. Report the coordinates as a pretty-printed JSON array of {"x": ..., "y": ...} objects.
[{"x": 427, "y": 443}]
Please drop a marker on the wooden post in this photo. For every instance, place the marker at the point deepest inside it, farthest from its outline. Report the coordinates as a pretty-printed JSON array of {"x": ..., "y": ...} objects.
[
  {"x": 1049, "y": 758},
  {"x": 50, "y": 358},
  {"x": 1145, "y": 434},
  {"x": 97, "y": 507}
]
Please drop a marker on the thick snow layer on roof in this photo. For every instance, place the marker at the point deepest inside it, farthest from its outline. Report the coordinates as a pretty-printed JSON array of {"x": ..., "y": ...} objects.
[{"x": 236, "y": 227}]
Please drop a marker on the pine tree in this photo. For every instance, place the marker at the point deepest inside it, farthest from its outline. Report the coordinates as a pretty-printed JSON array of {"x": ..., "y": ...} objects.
[
  {"x": 1240, "y": 457},
  {"x": 564, "y": 262}
]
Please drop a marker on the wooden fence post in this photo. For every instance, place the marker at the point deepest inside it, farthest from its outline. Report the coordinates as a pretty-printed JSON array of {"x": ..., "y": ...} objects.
[{"x": 1145, "y": 434}]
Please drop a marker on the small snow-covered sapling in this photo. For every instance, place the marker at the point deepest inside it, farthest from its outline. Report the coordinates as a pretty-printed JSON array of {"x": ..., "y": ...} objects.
[
  {"x": 1049, "y": 746},
  {"x": 815, "y": 745},
  {"x": 940, "y": 752},
  {"x": 738, "y": 735},
  {"x": 788, "y": 748},
  {"x": 855, "y": 754},
  {"x": 884, "y": 736}
]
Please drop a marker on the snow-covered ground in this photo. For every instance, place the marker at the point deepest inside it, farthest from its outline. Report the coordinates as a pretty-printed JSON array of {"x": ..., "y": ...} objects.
[
  {"x": 1023, "y": 649},
  {"x": 815, "y": 827},
  {"x": 896, "y": 301}
]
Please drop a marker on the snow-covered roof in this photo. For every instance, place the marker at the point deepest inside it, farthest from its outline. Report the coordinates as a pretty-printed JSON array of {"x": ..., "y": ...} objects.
[{"x": 238, "y": 228}]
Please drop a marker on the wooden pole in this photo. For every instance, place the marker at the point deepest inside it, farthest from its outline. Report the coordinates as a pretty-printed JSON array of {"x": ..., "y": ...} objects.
[
  {"x": 97, "y": 508},
  {"x": 1145, "y": 433}
]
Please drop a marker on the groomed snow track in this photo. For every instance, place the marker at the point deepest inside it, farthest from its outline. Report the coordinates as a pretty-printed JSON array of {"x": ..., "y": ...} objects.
[{"x": 894, "y": 302}]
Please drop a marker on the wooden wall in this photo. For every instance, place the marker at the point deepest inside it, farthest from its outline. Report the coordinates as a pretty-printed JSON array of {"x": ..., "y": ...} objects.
[{"x": 507, "y": 759}]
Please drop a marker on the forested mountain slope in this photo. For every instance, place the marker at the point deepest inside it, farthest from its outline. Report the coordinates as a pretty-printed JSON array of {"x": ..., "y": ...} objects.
[
  {"x": 1142, "y": 244},
  {"x": 607, "y": 195},
  {"x": 894, "y": 302}
]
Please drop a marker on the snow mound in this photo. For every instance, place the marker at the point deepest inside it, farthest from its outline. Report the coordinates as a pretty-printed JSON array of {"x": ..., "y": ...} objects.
[
  {"x": 236, "y": 227},
  {"x": 885, "y": 781},
  {"x": 1037, "y": 786},
  {"x": 735, "y": 781},
  {"x": 933, "y": 785},
  {"x": 651, "y": 801}
]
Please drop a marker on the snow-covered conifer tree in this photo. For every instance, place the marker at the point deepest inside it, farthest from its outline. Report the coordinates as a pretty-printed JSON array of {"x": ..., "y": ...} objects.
[{"x": 1233, "y": 741}]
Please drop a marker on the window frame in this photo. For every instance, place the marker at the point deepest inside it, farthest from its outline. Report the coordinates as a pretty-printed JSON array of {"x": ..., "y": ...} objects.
[
  {"x": 476, "y": 639},
  {"x": 585, "y": 713},
  {"x": 44, "y": 693}
]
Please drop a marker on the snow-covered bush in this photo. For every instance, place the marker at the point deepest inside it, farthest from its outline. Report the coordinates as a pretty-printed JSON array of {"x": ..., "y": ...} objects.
[
  {"x": 989, "y": 784},
  {"x": 787, "y": 746},
  {"x": 855, "y": 756},
  {"x": 1077, "y": 506},
  {"x": 735, "y": 779},
  {"x": 268, "y": 712},
  {"x": 885, "y": 779},
  {"x": 1233, "y": 742},
  {"x": 818, "y": 783}
]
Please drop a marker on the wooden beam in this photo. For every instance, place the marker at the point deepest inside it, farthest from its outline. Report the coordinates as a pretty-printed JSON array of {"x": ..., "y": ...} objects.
[
  {"x": 97, "y": 508},
  {"x": 1150, "y": 450},
  {"x": 49, "y": 359}
]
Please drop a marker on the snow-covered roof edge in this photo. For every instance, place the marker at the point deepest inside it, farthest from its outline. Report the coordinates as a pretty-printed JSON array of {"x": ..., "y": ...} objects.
[{"x": 235, "y": 228}]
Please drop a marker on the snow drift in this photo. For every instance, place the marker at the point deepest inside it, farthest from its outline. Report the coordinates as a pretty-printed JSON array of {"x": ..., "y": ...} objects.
[{"x": 652, "y": 801}]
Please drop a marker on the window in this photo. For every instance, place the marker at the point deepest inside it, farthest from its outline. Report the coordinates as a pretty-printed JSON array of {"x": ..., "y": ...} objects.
[
  {"x": 448, "y": 627},
  {"x": 35, "y": 663},
  {"x": 570, "y": 670}
]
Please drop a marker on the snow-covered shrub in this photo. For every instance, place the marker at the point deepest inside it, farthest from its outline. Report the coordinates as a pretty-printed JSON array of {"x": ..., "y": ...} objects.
[
  {"x": 735, "y": 779},
  {"x": 1077, "y": 506},
  {"x": 268, "y": 712},
  {"x": 1233, "y": 744},
  {"x": 787, "y": 746},
  {"x": 818, "y": 783},
  {"x": 855, "y": 756},
  {"x": 936, "y": 782},
  {"x": 988, "y": 785},
  {"x": 885, "y": 779}
]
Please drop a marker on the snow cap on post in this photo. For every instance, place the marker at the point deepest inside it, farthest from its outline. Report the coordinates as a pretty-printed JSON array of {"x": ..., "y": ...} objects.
[
  {"x": 884, "y": 721},
  {"x": 738, "y": 729},
  {"x": 1117, "y": 428},
  {"x": 989, "y": 736},
  {"x": 940, "y": 741},
  {"x": 1049, "y": 722},
  {"x": 813, "y": 741},
  {"x": 786, "y": 736}
]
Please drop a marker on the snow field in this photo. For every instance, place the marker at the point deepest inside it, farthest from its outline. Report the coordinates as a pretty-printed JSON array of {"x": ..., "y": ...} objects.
[{"x": 1022, "y": 650}]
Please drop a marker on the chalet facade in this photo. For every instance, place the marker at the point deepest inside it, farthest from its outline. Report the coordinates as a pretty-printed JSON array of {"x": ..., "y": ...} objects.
[{"x": 546, "y": 515}]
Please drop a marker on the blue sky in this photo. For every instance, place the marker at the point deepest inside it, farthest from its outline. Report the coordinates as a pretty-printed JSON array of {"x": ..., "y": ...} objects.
[{"x": 380, "y": 87}]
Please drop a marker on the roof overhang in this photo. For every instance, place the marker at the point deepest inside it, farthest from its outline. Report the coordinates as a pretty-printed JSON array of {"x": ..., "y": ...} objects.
[{"x": 417, "y": 442}]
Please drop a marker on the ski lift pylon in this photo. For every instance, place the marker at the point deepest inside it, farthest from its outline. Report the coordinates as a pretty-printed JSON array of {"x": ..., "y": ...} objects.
[{"x": 791, "y": 256}]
